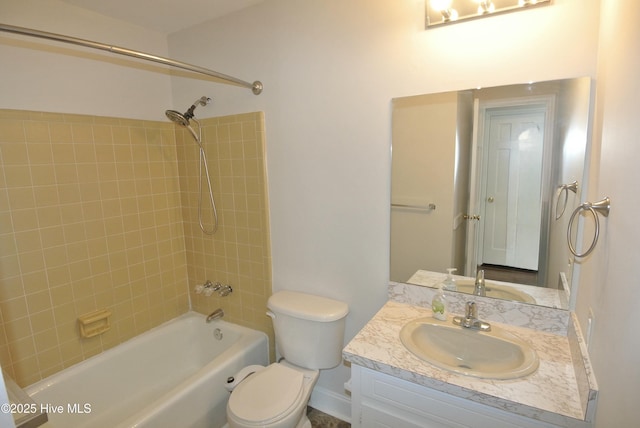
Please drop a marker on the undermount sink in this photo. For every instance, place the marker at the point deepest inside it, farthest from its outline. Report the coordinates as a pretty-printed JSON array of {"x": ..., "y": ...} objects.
[
  {"x": 496, "y": 354},
  {"x": 495, "y": 290}
]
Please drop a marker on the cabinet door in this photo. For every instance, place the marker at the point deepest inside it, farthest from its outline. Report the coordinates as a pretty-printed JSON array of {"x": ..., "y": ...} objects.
[
  {"x": 374, "y": 418},
  {"x": 380, "y": 400}
]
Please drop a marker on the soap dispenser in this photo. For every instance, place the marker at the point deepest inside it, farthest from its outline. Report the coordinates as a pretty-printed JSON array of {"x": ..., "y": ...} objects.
[
  {"x": 449, "y": 282},
  {"x": 439, "y": 305}
]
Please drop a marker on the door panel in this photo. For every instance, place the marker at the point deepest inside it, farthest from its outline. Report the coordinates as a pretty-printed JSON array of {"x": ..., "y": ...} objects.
[{"x": 511, "y": 219}]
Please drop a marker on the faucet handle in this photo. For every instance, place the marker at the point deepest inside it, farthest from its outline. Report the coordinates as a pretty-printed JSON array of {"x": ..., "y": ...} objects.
[
  {"x": 471, "y": 311},
  {"x": 480, "y": 288},
  {"x": 470, "y": 319},
  {"x": 225, "y": 290}
]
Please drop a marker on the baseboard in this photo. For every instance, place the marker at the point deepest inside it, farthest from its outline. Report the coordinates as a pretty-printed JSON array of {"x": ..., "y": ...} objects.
[{"x": 331, "y": 403}]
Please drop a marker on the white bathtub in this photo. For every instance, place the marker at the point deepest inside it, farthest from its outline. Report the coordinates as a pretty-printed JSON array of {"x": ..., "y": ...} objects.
[{"x": 172, "y": 376}]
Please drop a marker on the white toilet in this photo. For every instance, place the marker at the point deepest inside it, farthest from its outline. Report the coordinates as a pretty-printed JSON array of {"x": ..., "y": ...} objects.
[{"x": 309, "y": 333}]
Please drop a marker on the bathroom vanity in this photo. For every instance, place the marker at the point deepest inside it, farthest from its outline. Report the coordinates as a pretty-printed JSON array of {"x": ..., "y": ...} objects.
[{"x": 392, "y": 387}]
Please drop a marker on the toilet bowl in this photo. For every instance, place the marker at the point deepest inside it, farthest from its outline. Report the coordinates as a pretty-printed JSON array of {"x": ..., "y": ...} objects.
[{"x": 275, "y": 397}]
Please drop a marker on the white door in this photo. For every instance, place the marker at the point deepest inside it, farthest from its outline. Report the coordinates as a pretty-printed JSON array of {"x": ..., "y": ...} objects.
[{"x": 511, "y": 190}]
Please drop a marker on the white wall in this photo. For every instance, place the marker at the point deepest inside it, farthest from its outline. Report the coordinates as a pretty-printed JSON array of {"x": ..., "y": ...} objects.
[
  {"x": 330, "y": 69},
  {"x": 462, "y": 179},
  {"x": 609, "y": 278},
  {"x": 574, "y": 131},
  {"x": 37, "y": 74},
  {"x": 424, "y": 150}
]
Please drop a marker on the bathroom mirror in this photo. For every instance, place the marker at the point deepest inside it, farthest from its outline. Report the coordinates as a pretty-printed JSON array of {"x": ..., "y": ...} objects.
[{"x": 486, "y": 179}]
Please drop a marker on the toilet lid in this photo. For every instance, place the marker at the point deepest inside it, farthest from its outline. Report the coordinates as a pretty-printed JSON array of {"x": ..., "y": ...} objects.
[{"x": 267, "y": 394}]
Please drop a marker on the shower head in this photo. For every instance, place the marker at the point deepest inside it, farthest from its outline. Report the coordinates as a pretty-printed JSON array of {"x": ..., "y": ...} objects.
[
  {"x": 182, "y": 119},
  {"x": 177, "y": 117}
]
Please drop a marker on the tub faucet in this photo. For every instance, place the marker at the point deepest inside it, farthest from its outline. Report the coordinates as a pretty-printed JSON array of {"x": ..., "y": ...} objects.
[
  {"x": 470, "y": 319},
  {"x": 215, "y": 315},
  {"x": 208, "y": 288},
  {"x": 480, "y": 289}
]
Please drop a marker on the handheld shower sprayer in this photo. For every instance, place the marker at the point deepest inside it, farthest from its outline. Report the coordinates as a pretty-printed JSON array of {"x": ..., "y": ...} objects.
[
  {"x": 203, "y": 101},
  {"x": 183, "y": 119}
]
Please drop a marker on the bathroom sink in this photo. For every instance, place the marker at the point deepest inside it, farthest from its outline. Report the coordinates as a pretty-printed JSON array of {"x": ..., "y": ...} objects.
[
  {"x": 496, "y": 354},
  {"x": 495, "y": 290}
]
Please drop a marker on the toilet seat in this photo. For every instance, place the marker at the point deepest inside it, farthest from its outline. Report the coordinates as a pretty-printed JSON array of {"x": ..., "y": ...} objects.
[{"x": 267, "y": 396}]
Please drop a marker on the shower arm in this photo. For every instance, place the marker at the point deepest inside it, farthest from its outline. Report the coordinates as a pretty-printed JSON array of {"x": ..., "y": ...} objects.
[{"x": 256, "y": 87}]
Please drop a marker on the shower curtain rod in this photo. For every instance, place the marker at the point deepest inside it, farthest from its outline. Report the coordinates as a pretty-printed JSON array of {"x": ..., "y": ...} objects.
[{"x": 256, "y": 86}]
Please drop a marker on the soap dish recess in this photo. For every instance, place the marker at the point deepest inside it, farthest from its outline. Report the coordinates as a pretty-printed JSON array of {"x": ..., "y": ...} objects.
[{"x": 94, "y": 323}]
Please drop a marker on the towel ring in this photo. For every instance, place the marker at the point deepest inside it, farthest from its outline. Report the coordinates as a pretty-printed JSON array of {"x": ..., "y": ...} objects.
[
  {"x": 564, "y": 189},
  {"x": 601, "y": 207}
]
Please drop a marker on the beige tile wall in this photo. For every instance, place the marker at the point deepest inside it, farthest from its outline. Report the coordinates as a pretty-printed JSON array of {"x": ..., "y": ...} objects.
[
  {"x": 90, "y": 218},
  {"x": 239, "y": 252}
]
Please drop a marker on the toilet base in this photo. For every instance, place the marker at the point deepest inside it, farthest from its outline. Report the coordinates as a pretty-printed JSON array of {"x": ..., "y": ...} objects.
[{"x": 304, "y": 422}]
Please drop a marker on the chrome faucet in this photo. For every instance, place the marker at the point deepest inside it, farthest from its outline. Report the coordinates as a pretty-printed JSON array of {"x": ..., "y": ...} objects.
[
  {"x": 215, "y": 315},
  {"x": 209, "y": 288},
  {"x": 470, "y": 319},
  {"x": 480, "y": 289}
]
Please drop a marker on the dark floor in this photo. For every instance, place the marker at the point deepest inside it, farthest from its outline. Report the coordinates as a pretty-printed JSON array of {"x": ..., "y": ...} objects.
[
  {"x": 322, "y": 420},
  {"x": 508, "y": 274}
]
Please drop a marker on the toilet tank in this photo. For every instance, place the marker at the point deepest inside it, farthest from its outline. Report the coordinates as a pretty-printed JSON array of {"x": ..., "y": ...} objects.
[{"x": 309, "y": 329}]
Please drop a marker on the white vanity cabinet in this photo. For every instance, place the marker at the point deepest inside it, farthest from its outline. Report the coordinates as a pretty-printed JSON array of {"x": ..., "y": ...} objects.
[
  {"x": 391, "y": 387},
  {"x": 380, "y": 400}
]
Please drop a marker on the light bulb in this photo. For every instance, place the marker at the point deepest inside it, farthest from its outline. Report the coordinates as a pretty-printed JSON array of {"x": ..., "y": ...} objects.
[
  {"x": 485, "y": 6},
  {"x": 441, "y": 5}
]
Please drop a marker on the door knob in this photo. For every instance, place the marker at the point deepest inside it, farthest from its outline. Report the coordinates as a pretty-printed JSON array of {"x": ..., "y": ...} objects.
[{"x": 490, "y": 199}]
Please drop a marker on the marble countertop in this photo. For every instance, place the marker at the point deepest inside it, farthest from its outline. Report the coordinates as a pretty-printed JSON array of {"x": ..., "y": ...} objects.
[{"x": 550, "y": 394}]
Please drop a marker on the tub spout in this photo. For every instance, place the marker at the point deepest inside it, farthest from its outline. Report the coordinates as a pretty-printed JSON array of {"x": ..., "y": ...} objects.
[{"x": 217, "y": 314}]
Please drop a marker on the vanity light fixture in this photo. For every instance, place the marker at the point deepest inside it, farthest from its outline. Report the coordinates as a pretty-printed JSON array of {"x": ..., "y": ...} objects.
[{"x": 439, "y": 12}]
